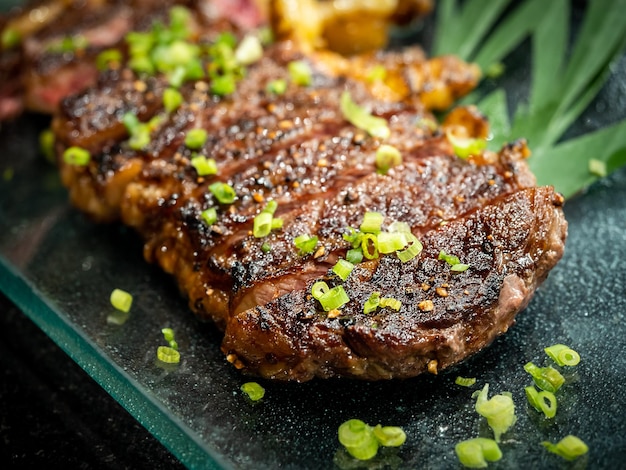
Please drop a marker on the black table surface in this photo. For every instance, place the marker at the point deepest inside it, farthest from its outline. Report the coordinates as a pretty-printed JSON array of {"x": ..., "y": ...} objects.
[{"x": 52, "y": 412}]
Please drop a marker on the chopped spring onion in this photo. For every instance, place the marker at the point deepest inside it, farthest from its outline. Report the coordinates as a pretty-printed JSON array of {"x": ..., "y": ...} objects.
[
  {"x": 76, "y": 156},
  {"x": 46, "y": 144},
  {"x": 474, "y": 453},
  {"x": 300, "y": 72},
  {"x": 223, "y": 192},
  {"x": 168, "y": 335},
  {"x": 277, "y": 87},
  {"x": 262, "y": 225},
  {"x": 358, "y": 438},
  {"x": 335, "y": 297},
  {"x": 249, "y": 50},
  {"x": 542, "y": 401},
  {"x": 305, "y": 243},
  {"x": 546, "y": 378},
  {"x": 353, "y": 236},
  {"x": 369, "y": 246},
  {"x": 254, "y": 391},
  {"x": 121, "y": 300},
  {"x": 168, "y": 355},
  {"x": 372, "y": 222},
  {"x": 343, "y": 269},
  {"x": 362, "y": 441},
  {"x": 372, "y": 303},
  {"x": 204, "y": 166},
  {"x": 266, "y": 247},
  {"x": 277, "y": 223},
  {"x": 319, "y": 289},
  {"x": 412, "y": 250},
  {"x": 499, "y": 411},
  {"x": 391, "y": 303},
  {"x": 400, "y": 227},
  {"x": 388, "y": 242},
  {"x": 453, "y": 261},
  {"x": 172, "y": 99},
  {"x": 389, "y": 436},
  {"x": 361, "y": 118},
  {"x": 465, "y": 147},
  {"x": 387, "y": 157},
  {"x": 108, "y": 58},
  {"x": 570, "y": 447},
  {"x": 209, "y": 216},
  {"x": 270, "y": 207},
  {"x": 563, "y": 355},
  {"x": 223, "y": 85},
  {"x": 465, "y": 381},
  {"x": 354, "y": 255},
  {"x": 10, "y": 38},
  {"x": 196, "y": 138}
]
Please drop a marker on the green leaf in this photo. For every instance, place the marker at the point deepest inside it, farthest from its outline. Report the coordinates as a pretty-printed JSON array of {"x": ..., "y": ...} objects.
[
  {"x": 566, "y": 166},
  {"x": 495, "y": 106}
]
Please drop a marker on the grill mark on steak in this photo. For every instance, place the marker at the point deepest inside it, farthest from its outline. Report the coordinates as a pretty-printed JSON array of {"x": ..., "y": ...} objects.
[{"x": 289, "y": 339}]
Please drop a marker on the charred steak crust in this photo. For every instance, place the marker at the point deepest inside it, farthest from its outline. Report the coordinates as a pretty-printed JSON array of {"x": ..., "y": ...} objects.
[{"x": 299, "y": 150}]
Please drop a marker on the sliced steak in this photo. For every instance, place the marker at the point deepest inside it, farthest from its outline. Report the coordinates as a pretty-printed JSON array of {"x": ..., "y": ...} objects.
[{"x": 297, "y": 149}]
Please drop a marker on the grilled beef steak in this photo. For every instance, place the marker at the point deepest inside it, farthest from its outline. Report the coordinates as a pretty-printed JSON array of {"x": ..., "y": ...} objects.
[{"x": 296, "y": 147}]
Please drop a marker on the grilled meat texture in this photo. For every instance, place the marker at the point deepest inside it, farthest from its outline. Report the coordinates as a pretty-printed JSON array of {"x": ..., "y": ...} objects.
[{"x": 299, "y": 150}]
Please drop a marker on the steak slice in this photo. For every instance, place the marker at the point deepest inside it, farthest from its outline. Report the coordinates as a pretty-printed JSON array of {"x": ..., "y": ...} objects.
[{"x": 298, "y": 149}]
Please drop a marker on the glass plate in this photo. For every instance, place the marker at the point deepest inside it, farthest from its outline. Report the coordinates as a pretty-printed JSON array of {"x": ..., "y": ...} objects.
[{"x": 60, "y": 269}]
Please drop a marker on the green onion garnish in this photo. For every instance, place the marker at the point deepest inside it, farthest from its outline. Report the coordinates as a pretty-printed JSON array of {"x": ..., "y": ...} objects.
[
  {"x": 401, "y": 227},
  {"x": 249, "y": 50},
  {"x": 277, "y": 87},
  {"x": 570, "y": 447},
  {"x": 388, "y": 242},
  {"x": 343, "y": 269},
  {"x": 412, "y": 250},
  {"x": 209, "y": 216},
  {"x": 391, "y": 303},
  {"x": 266, "y": 247},
  {"x": 361, "y": 118},
  {"x": 389, "y": 436},
  {"x": 499, "y": 410},
  {"x": 542, "y": 401},
  {"x": 168, "y": 335},
  {"x": 474, "y": 453},
  {"x": 172, "y": 99},
  {"x": 362, "y": 441},
  {"x": 546, "y": 378},
  {"x": 300, "y": 72},
  {"x": 46, "y": 144},
  {"x": 76, "y": 156},
  {"x": 372, "y": 222},
  {"x": 196, "y": 138},
  {"x": 354, "y": 255},
  {"x": 387, "y": 157},
  {"x": 372, "y": 303},
  {"x": 465, "y": 381},
  {"x": 121, "y": 300},
  {"x": 254, "y": 391},
  {"x": 305, "y": 243},
  {"x": 563, "y": 355},
  {"x": 223, "y": 192},
  {"x": 465, "y": 147},
  {"x": 369, "y": 245},
  {"x": 453, "y": 261},
  {"x": 318, "y": 289},
  {"x": 108, "y": 58},
  {"x": 334, "y": 298},
  {"x": 353, "y": 236},
  {"x": 358, "y": 438},
  {"x": 168, "y": 355},
  {"x": 223, "y": 85},
  {"x": 204, "y": 166},
  {"x": 262, "y": 225},
  {"x": 10, "y": 38}
]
